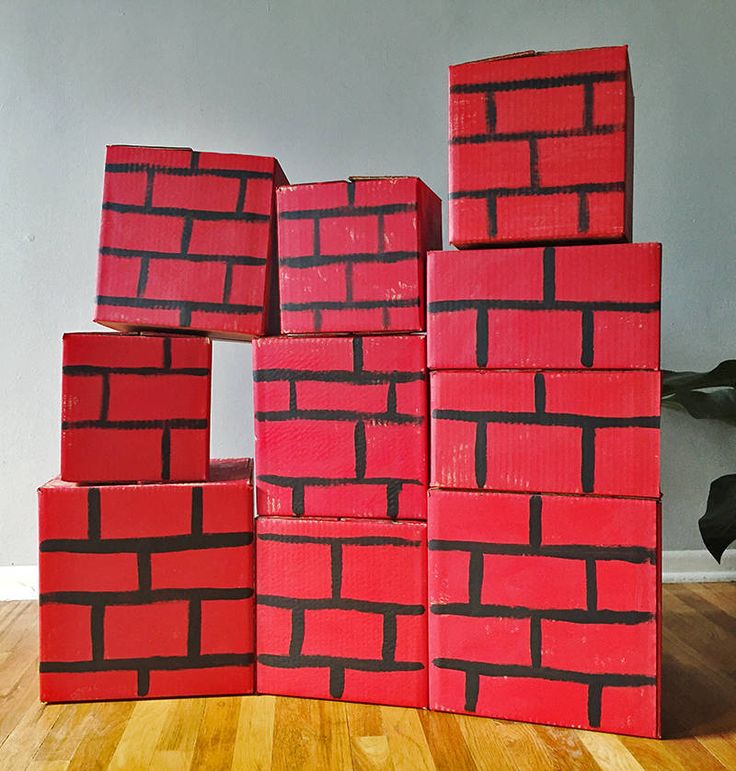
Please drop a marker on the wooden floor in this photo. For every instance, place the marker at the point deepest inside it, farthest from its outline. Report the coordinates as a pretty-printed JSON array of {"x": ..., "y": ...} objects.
[{"x": 265, "y": 732}]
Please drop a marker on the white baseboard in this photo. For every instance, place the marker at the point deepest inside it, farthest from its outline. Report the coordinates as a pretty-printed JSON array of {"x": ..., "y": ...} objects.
[
  {"x": 697, "y": 565},
  {"x": 20, "y": 582}
]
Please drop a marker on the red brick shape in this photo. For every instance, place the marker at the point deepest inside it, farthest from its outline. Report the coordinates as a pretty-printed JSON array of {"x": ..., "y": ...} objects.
[
  {"x": 566, "y": 307},
  {"x": 352, "y": 254},
  {"x": 341, "y": 426},
  {"x": 358, "y": 631},
  {"x": 188, "y": 241},
  {"x": 135, "y": 408},
  {"x": 553, "y": 431},
  {"x": 540, "y": 627},
  {"x": 114, "y": 624},
  {"x": 541, "y": 148}
]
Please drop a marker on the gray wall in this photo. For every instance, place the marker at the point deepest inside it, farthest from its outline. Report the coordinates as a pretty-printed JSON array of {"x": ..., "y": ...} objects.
[{"x": 332, "y": 89}]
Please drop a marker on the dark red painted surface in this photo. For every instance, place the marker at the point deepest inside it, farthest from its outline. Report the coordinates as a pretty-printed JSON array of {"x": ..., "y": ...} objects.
[
  {"x": 546, "y": 608},
  {"x": 554, "y": 431},
  {"x": 352, "y": 254},
  {"x": 188, "y": 241},
  {"x": 341, "y": 426},
  {"x": 566, "y": 307},
  {"x": 135, "y": 408},
  {"x": 541, "y": 148},
  {"x": 341, "y": 610},
  {"x": 147, "y": 590}
]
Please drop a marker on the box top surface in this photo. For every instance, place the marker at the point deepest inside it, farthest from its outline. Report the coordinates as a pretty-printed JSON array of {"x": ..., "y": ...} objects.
[
  {"x": 187, "y": 158},
  {"x": 223, "y": 471},
  {"x": 530, "y": 65},
  {"x": 110, "y": 336},
  {"x": 115, "y": 350},
  {"x": 406, "y": 185},
  {"x": 353, "y": 179}
]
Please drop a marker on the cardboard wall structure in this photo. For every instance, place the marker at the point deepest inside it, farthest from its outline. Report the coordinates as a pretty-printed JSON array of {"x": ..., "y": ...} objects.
[
  {"x": 538, "y": 593},
  {"x": 545, "y": 589},
  {"x": 342, "y": 433},
  {"x": 147, "y": 590}
]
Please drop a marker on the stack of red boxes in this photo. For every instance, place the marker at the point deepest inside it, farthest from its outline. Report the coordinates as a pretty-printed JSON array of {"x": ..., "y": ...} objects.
[
  {"x": 544, "y": 516},
  {"x": 146, "y": 547},
  {"x": 342, "y": 445},
  {"x": 534, "y": 586}
]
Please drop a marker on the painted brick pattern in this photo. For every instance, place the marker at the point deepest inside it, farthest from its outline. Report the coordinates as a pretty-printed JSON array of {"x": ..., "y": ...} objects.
[
  {"x": 341, "y": 427},
  {"x": 541, "y": 148},
  {"x": 566, "y": 307},
  {"x": 147, "y": 590},
  {"x": 546, "y": 609},
  {"x": 341, "y": 609},
  {"x": 135, "y": 408},
  {"x": 352, "y": 254},
  {"x": 563, "y": 432},
  {"x": 187, "y": 241}
]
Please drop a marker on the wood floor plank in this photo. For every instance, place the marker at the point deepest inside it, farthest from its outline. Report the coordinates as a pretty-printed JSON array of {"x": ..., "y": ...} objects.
[
  {"x": 22, "y": 698},
  {"x": 494, "y": 744},
  {"x": 297, "y": 738},
  {"x": 723, "y": 748},
  {"x": 47, "y": 765},
  {"x": 334, "y": 735},
  {"x": 254, "y": 738},
  {"x": 9, "y": 612},
  {"x": 23, "y": 741},
  {"x": 673, "y": 754},
  {"x": 137, "y": 745},
  {"x": 446, "y": 741},
  {"x": 268, "y": 733},
  {"x": 217, "y": 732},
  {"x": 18, "y": 648},
  {"x": 608, "y": 751},
  {"x": 563, "y": 746},
  {"x": 364, "y": 719},
  {"x": 175, "y": 747},
  {"x": 65, "y": 735},
  {"x": 369, "y": 744},
  {"x": 108, "y": 721},
  {"x": 406, "y": 740}
]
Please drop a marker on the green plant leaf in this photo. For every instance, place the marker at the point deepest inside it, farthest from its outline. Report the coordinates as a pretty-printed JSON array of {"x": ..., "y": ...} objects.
[
  {"x": 722, "y": 375},
  {"x": 719, "y": 404},
  {"x": 718, "y": 524}
]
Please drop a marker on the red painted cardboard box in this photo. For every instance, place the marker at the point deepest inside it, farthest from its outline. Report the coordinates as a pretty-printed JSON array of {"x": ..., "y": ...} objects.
[
  {"x": 541, "y": 148},
  {"x": 341, "y": 426},
  {"x": 135, "y": 408},
  {"x": 188, "y": 241},
  {"x": 557, "y": 432},
  {"x": 546, "y": 608},
  {"x": 352, "y": 254},
  {"x": 565, "y": 307},
  {"x": 341, "y": 609},
  {"x": 147, "y": 590}
]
